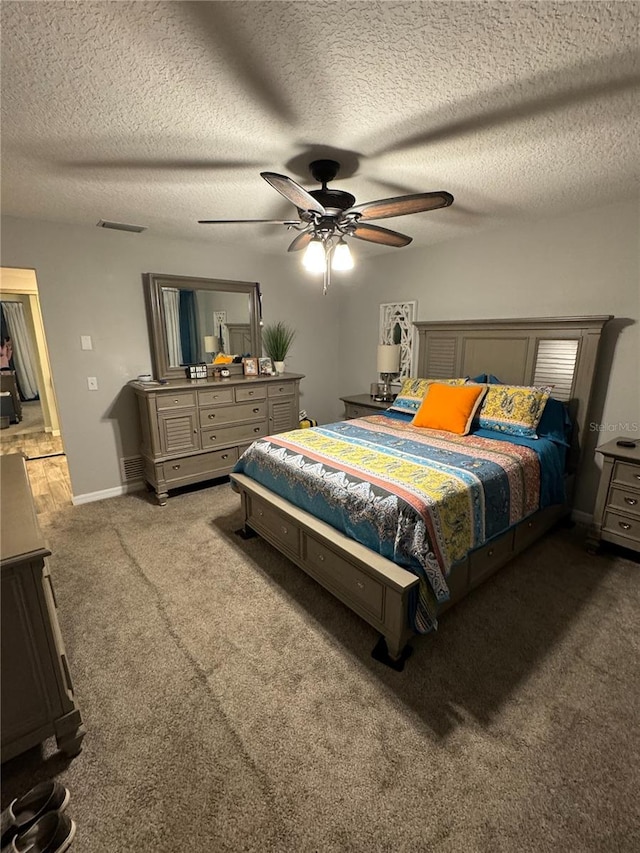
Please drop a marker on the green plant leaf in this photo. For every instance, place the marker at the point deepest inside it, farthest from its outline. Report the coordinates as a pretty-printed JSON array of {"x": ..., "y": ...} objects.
[{"x": 277, "y": 339}]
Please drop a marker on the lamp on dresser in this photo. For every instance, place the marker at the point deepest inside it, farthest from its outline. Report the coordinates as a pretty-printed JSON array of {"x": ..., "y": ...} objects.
[{"x": 388, "y": 368}]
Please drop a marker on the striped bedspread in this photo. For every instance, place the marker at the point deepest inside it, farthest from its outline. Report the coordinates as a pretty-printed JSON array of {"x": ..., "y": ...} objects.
[{"x": 422, "y": 498}]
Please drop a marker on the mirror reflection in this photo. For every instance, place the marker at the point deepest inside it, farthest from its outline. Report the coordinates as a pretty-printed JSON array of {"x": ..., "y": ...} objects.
[
  {"x": 193, "y": 320},
  {"x": 200, "y": 324}
]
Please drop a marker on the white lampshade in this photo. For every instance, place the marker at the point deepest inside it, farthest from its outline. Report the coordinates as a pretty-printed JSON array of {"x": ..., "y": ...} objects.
[
  {"x": 210, "y": 343},
  {"x": 341, "y": 258},
  {"x": 388, "y": 358},
  {"x": 314, "y": 258}
]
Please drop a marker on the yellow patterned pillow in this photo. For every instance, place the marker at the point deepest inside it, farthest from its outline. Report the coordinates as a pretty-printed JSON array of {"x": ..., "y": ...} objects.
[
  {"x": 514, "y": 409},
  {"x": 412, "y": 392}
]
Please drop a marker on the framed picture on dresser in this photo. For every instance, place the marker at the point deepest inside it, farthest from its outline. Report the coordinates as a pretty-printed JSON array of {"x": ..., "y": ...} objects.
[
  {"x": 250, "y": 366},
  {"x": 266, "y": 367}
]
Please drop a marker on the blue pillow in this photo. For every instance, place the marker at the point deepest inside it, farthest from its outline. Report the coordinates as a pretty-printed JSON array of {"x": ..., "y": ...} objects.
[
  {"x": 482, "y": 378},
  {"x": 555, "y": 423}
]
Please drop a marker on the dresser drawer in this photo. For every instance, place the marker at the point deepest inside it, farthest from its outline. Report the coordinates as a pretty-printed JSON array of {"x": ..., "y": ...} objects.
[
  {"x": 204, "y": 463},
  {"x": 624, "y": 501},
  {"x": 254, "y": 392},
  {"x": 178, "y": 400},
  {"x": 355, "y": 585},
  {"x": 627, "y": 474},
  {"x": 282, "y": 389},
  {"x": 213, "y": 397},
  {"x": 622, "y": 525},
  {"x": 232, "y": 434},
  {"x": 275, "y": 527},
  {"x": 230, "y": 414}
]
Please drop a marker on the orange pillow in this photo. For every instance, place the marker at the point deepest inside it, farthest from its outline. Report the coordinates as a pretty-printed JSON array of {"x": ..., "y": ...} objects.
[{"x": 449, "y": 407}]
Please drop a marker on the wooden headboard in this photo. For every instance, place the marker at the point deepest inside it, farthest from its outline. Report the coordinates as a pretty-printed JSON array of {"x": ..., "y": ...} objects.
[{"x": 558, "y": 351}]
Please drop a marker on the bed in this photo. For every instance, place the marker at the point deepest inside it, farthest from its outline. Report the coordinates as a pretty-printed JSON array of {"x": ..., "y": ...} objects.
[{"x": 400, "y": 522}]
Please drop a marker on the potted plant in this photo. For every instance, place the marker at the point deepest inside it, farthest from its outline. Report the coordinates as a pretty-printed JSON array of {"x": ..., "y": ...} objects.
[{"x": 276, "y": 341}]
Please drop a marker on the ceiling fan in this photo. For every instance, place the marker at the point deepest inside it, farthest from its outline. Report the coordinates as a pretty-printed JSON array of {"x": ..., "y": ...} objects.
[{"x": 326, "y": 216}]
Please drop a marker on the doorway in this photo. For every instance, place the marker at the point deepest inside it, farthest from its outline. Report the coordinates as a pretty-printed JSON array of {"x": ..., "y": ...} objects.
[{"x": 29, "y": 415}]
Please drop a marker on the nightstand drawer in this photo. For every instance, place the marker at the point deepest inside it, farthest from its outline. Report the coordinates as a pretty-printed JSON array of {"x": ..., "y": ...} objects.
[
  {"x": 626, "y": 474},
  {"x": 352, "y": 411},
  {"x": 622, "y": 525},
  {"x": 624, "y": 501}
]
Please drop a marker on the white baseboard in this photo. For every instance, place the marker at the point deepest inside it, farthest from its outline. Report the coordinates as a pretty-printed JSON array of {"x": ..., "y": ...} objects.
[
  {"x": 580, "y": 517},
  {"x": 116, "y": 492}
]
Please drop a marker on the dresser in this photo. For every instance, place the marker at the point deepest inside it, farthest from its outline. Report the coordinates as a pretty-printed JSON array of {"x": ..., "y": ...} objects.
[
  {"x": 197, "y": 430},
  {"x": 37, "y": 693},
  {"x": 361, "y": 405},
  {"x": 616, "y": 517}
]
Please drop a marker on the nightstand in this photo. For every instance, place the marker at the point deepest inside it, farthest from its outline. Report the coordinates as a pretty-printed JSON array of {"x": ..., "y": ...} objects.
[
  {"x": 361, "y": 405},
  {"x": 616, "y": 517}
]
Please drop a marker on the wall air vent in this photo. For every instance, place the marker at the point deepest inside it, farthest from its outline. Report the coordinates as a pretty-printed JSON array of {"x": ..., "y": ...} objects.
[
  {"x": 131, "y": 469},
  {"x": 121, "y": 226}
]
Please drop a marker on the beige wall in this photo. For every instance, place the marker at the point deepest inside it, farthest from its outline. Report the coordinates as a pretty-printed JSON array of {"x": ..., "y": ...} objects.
[
  {"x": 586, "y": 263},
  {"x": 90, "y": 283}
]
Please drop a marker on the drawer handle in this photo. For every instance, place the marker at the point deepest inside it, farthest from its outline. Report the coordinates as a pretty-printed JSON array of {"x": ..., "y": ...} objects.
[
  {"x": 637, "y": 476},
  {"x": 530, "y": 524},
  {"x": 281, "y": 388},
  {"x": 320, "y": 558},
  {"x": 176, "y": 401},
  {"x": 176, "y": 467},
  {"x": 284, "y": 530},
  {"x": 256, "y": 429},
  {"x": 624, "y": 525},
  {"x": 225, "y": 456},
  {"x": 260, "y": 512},
  {"x": 256, "y": 410},
  {"x": 212, "y": 437},
  {"x": 359, "y": 584},
  {"x": 490, "y": 552},
  {"x": 251, "y": 393},
  {"x": 631, "y": 501},
  {"x": 211, "y": 417}
]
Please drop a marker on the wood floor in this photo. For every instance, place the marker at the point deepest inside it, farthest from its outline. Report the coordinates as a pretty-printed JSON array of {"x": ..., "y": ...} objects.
[{"x": 46, "y": 466}]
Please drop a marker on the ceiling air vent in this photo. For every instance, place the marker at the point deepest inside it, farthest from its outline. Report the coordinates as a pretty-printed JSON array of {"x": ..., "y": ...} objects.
[{"x": 121, "y": 226}]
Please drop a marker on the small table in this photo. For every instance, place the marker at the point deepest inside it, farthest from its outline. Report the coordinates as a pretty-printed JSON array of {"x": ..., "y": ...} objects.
[
  {"x": 616, "y": 517},
  {"x": 361, "y": 405}
]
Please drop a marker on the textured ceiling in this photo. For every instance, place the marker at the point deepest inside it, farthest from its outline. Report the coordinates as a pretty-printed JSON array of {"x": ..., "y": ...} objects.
[{"x": 160, "y": 114}]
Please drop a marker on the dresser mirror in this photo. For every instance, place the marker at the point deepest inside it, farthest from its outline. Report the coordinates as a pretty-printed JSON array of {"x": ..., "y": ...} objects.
[{"x": 193, "y": 319}]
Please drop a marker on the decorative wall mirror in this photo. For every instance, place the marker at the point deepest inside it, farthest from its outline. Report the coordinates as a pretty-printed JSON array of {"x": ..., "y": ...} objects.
[{"x": 192, "y": 319}]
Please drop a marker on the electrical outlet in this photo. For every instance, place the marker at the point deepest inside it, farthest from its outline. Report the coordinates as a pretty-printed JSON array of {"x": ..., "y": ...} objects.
[
  {"x": 92, "y": 383},
  {"x": 85, "y": 342}
]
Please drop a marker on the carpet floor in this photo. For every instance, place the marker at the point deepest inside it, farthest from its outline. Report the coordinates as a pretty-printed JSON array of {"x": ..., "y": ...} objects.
[{"x": 231, "y": 704}]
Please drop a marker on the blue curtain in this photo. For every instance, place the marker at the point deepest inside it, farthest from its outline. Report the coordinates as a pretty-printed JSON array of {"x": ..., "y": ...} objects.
[{"x": 188, "y": 327}]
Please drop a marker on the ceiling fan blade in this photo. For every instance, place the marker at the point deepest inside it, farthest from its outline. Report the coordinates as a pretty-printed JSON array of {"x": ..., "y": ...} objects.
[
  {"x": 242, "y": 221},
  {"x": 375, "y": 234},
  {"x": 293, "y": 192},
  {"x": 301, "y": 241},
  {"x": 402, "y": 205}
]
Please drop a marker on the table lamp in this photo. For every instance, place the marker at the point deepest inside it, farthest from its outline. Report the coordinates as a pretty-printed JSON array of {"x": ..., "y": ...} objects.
[
  {"x": 210, "y": 344},
  {"x": 388, "y": 367}
]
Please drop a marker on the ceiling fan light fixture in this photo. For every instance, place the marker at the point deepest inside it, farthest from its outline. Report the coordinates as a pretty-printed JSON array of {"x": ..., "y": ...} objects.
[
  {"x": 314, "y": 259},
  {"x": 342, "y": 259}
]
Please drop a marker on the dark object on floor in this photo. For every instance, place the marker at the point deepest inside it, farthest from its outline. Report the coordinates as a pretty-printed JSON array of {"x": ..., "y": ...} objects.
[
  {"x": 23, "y": 812},
  {"x": 52, "y": 833},
  {"x": 246, "y": 533},
  {"x": 45, "y": 456},
  {"x": 381, "y": 653}
]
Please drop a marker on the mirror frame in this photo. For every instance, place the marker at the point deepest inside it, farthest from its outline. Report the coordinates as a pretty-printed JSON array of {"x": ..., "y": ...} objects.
[{"x": 154, "y": 282}]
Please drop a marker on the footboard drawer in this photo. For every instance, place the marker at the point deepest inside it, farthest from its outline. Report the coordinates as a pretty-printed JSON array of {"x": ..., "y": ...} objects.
[
  {"x": 355, "y": 585},
  {"x": 488, "y": 559},
  {"x": 276, "y": 528}
]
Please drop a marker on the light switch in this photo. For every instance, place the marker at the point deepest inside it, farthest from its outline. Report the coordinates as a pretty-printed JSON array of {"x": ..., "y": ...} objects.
[
  {"x": 92, "y": 383},
  {"x": 85, "y": 342}
]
